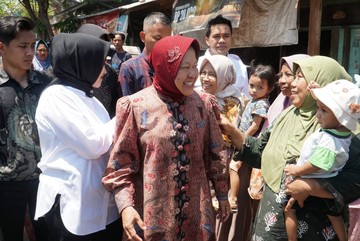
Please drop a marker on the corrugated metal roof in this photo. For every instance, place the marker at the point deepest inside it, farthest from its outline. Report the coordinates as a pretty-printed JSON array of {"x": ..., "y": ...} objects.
[{"x": 123, "y": 8}]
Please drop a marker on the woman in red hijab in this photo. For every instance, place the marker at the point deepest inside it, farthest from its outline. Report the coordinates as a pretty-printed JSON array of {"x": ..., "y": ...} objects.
[{"x": 167, "y": 147}]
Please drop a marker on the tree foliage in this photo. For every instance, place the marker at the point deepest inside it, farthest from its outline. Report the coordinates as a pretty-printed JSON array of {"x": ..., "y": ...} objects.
[
  {"x": 69, "y": 24},
  {"x": 38, "y": 12},
  {"x": 11, "y": 7}
]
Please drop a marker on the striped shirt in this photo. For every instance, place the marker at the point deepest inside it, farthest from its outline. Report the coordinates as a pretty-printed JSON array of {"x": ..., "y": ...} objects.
[{"x": 135, "y": 74}]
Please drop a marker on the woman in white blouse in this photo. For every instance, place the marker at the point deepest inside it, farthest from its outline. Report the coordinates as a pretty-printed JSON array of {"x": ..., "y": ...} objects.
[{"x": 75, "y": 133}]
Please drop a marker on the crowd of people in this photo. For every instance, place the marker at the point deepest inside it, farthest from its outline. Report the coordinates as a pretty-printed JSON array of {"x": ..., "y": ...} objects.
[{"x": 170, "y": 145}]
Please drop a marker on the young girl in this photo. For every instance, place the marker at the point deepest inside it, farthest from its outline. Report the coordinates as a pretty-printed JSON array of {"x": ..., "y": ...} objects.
[
  {"x": 261, "y": 83},
  {"x": 326, "y": 151}
]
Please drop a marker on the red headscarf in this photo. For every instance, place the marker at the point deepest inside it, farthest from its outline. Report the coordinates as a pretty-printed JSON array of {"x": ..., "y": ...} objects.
[{"x": 165, "y": 58}]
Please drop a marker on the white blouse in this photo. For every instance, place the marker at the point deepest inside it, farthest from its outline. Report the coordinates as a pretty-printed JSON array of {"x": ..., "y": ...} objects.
[{"x": 75, "y": 137}]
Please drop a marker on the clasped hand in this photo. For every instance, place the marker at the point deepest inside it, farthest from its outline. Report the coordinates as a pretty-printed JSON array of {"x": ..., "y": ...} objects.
[{"x": 299, "y": 190}]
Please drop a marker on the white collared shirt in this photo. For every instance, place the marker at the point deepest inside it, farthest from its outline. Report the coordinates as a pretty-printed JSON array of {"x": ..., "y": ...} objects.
[{"x": 75, "y": 134}]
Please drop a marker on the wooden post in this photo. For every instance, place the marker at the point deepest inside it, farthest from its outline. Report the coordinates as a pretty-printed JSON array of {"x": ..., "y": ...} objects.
[{"x": 314, "y": 27}]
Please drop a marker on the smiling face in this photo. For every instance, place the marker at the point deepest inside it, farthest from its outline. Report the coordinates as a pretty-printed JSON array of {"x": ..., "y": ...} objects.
[
  {"x": 208, "y": 79},
  {"x": 18, "y": 55},
  {"x": 285, "y": 80},
  {"x": 187, "y": 73},
  {"x": 258, "y": 88},
  {"x": 299, "y": 89},
  {"x": 219, "y": 40}
]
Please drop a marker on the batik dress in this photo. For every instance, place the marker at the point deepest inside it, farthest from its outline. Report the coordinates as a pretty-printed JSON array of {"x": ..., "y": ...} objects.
[{"x": 164, "y": 155}]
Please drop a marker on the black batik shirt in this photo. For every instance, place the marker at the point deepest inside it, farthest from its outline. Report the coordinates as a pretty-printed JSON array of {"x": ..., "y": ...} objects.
[{"x": 19, "y": 141}]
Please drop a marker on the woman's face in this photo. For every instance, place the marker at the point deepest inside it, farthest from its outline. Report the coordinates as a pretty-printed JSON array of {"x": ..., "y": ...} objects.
[
  {"x": 99, "y": 80},
  {"x": 208, "y": 79},
  {"x": 187, "y": 73},
  {"x": 42, "y": 52},
  {"x": 299, "y": 89},
  {"x": 285, "y": 80}
]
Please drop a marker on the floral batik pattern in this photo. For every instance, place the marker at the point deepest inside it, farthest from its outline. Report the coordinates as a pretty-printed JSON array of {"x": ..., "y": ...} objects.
[
  {"x": 164, "y": 156},
  {"x": 269, "y": 221}
]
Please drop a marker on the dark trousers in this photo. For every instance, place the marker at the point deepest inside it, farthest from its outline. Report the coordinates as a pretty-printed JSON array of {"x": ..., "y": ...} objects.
[
  {"x": 58, "y": 232},
  {"x": 16, "y": 197}
]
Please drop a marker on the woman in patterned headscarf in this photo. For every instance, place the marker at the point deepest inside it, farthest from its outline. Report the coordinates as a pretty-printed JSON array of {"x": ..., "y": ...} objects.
[
  {"x": 41, "y": 60},
  {"x": 281, "y": 144},
  {"x": 286, "y": 77},
  {"x": 168, "y": 146}
]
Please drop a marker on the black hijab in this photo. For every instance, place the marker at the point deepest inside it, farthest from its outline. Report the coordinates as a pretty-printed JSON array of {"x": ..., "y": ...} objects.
[
  {"x": 77, "y": 60},
  {"x": 95, "y": 31}
]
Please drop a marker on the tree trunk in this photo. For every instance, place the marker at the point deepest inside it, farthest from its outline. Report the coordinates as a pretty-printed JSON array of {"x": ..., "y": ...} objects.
[
  {"x": 29, "y": 9},
  {"x": 41, "y": 18},
  {"x": 44, "y": 18}
]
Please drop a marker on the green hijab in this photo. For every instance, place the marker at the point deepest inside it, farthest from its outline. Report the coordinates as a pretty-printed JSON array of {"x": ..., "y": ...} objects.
[{"x": 295, "y": 124}]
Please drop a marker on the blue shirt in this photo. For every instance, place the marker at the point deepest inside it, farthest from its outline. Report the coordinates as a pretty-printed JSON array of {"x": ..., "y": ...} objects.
[
  {"x": 119, "y": 58},
  {"x": 254, "y": 107}
]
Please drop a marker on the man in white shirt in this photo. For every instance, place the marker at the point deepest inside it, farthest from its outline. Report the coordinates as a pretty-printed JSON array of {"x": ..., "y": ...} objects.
[{"x": 218, "y": 37}]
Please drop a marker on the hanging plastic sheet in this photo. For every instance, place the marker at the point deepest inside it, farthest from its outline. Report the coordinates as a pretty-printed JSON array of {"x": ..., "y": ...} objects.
[{"x": 259, "y": 23}]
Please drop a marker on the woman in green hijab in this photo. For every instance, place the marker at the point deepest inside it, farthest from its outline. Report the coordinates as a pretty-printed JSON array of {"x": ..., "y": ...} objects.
[{"x": 281, "y": 144}]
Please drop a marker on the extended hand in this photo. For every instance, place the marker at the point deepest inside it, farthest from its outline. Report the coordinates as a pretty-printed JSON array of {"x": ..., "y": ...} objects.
[
  {"x": 313, "y": 85},
  {"x": 130, "y": 218},
  {"x": 226, "y": 126},
  {"x": 299, "y": 190},
  {"x": 224, "y": 210},
  {"x": 290, "y": 169}
]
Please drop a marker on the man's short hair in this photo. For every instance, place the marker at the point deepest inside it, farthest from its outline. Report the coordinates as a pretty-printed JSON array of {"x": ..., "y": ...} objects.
[
  {"x": 219, "y": 19},
  {"x": 10, "y": 26},
  {"x": 154, "y": 18}
]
